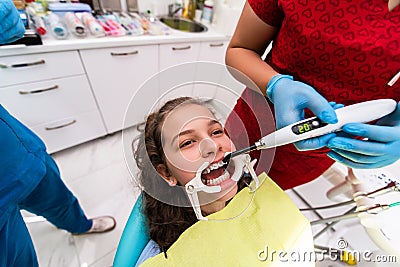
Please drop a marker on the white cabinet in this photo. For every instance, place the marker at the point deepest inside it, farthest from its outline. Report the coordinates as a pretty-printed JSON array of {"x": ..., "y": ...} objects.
[
  {"x": 61, "y": 111},
  {"x": 116, "y": 74},
  {"x": 227, "y": 89},
  {"x": 62, "y": 97},
  {"x": 173, "y": 82},
  {"x": 213, "y": 51},
  {"x": 71, "y": 131},
  {"x": 36, "y": 67},
  {"x": 69, "y": 97},
  {"x": 174, "y": 54}
]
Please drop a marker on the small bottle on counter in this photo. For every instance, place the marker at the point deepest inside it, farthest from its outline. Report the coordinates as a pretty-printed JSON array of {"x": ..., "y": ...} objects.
[
  {"x": 39, "y": 25},
  {"x": 55, "y": 25},
  {"x": 91, "y": 23},
  {"x": 37, "y": 21},
  {"x": 191, "y": 9},
  {"x": 179, "y": 6},
  {"x": 74, "y": 24},
  {"x": 207, "y": 11}
]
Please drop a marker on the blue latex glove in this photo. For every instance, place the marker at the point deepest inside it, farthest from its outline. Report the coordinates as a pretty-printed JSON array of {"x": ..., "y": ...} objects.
[
  {"x": 11, "y": 26},
  {"x": 381, "y": 149},
  {"x": 290, "y": 98}
]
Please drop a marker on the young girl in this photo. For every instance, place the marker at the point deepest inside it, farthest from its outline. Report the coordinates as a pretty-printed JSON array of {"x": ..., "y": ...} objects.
[
  {"x": 181, "y": 140},
  {"x": 177, "y": 140}
]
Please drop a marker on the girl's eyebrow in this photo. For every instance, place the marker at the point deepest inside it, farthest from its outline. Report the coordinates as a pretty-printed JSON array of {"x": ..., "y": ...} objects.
[
  {"x": 210, "y": 123},
  {"x": 180, "y": 134}
]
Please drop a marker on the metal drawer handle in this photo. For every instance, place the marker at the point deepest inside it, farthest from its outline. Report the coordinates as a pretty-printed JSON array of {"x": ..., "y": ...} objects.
[
  {"x": 21, "y": 65},
  {"x": 60, "y": 126},
  {"x": 216, "y": 45},
  {"x": 39, "y": 90},
  {"x": 125, "y": 54},
  {"x": 181, "y": 48}
]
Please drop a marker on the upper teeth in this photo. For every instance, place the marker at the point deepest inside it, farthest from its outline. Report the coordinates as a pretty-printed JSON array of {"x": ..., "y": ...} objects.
[{"x": 214, "y": 167}]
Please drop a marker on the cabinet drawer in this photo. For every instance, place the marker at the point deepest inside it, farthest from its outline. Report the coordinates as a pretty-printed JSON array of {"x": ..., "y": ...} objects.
[
  {"x": 174, "y": 54},
  {"x": 117, "y": 78},
  {"x": 37, "y": 67},
  {"x": 41, "y": 102},
  {"x": 213, "y": 51},
  {"x": 70, "y": 131}
]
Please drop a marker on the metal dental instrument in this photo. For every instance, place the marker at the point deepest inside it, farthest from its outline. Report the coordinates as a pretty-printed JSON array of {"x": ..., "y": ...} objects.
[
  {"x": 390, "y": 187},
  {"x": 313, "y": 127},
  {"x": 371, "y": 210}
]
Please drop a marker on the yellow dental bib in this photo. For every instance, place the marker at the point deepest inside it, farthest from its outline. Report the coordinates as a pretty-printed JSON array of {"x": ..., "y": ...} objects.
[{"x": 270, "y": 232}]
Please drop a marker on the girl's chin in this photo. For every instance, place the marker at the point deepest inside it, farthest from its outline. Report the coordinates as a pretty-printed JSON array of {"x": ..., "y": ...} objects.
[{"x": 228, "y": 190}]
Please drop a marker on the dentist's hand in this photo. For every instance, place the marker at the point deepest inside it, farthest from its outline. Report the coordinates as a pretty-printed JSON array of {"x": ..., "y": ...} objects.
[
  {"x": 381, "y": 149},
  {"x": 11, "y": 26},
  {"x": 290, "y": 98}
]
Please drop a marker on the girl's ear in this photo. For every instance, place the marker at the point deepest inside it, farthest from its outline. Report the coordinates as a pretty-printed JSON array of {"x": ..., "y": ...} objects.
[{"x": 163, "y": 171}]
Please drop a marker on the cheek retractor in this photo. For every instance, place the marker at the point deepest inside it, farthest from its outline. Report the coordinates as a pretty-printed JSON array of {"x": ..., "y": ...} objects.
[{"x": 241, "y": 164}]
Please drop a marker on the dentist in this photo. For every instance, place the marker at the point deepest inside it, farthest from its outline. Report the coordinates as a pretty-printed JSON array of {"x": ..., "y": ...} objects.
[{"x": 12, "y": 27}]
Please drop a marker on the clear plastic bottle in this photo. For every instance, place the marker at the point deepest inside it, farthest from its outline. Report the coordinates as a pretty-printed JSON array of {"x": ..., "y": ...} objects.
[
  {"x": 207, "y": 11},
  {"x": 91, "y": 23},
  {"x": 74, "y": 24},
  {"x": 57, "y": 28},
  {"x": 36, "y": 21}
]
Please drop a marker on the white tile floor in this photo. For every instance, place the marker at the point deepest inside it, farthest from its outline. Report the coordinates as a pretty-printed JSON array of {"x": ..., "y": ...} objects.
[{"x": 96, "y": 172}]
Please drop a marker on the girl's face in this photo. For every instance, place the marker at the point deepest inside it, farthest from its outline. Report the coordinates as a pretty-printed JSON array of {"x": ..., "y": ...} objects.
[{"x": 191, "y": 135}]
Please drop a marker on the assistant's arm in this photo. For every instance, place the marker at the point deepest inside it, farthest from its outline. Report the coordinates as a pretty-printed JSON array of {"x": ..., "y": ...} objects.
[
  {"x": 290, "y": 98},
  {"x": 251, "y": 38}
]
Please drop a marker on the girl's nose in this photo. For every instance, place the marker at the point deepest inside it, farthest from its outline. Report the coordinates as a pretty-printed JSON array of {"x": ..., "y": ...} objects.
[{"x": 208, "y": 147}]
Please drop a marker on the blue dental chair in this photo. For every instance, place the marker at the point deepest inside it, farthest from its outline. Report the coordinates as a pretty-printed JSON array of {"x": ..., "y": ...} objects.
[{"x": 134, "y": 238}]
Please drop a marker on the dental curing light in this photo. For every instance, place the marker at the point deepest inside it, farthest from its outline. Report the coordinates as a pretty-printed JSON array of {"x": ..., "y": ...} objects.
[{"x": 313, "y": 127}]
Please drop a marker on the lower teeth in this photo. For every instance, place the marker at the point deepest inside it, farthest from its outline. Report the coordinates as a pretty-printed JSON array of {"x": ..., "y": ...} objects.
[{"x": 215, "y": 180}]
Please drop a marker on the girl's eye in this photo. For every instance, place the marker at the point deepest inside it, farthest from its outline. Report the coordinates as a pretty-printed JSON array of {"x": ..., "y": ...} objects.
[
  {"x": 217, "y": 132},
  {"x": 186, "y": 143}
]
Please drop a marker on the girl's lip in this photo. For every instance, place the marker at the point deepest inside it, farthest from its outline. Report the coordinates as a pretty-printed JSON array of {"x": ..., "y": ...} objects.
[
  {"x": 221, "y": 158},
  {"x": 227, "y": 184}
]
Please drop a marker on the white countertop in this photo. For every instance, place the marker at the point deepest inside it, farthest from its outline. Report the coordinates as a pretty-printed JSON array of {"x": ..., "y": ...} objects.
[{"x": 73, "y": 43}]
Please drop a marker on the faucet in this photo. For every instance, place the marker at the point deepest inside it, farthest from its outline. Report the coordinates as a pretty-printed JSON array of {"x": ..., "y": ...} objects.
[{"x": 173, "y": 9}]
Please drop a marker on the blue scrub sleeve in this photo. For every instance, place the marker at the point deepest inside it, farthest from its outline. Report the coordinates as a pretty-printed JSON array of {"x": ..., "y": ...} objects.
[{"x": 11, "y": 24}]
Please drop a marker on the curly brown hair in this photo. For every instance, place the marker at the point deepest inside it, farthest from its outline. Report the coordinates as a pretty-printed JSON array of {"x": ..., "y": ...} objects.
[{"x": 167, "y": 208}]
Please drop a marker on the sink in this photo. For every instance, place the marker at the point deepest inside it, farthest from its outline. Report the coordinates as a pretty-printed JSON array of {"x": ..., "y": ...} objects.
[{"x": 183, "y": 24}]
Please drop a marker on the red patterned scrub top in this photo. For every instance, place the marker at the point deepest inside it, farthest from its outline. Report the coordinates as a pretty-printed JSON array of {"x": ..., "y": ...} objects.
[{"x": 347, "y": 50}]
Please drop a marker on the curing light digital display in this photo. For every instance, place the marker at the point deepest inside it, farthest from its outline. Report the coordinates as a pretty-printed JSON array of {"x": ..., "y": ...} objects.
[{"x": 307, "y": 126}]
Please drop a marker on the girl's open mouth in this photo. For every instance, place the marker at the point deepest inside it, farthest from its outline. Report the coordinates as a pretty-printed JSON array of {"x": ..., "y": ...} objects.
[{"x": 216, "y": 173}]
